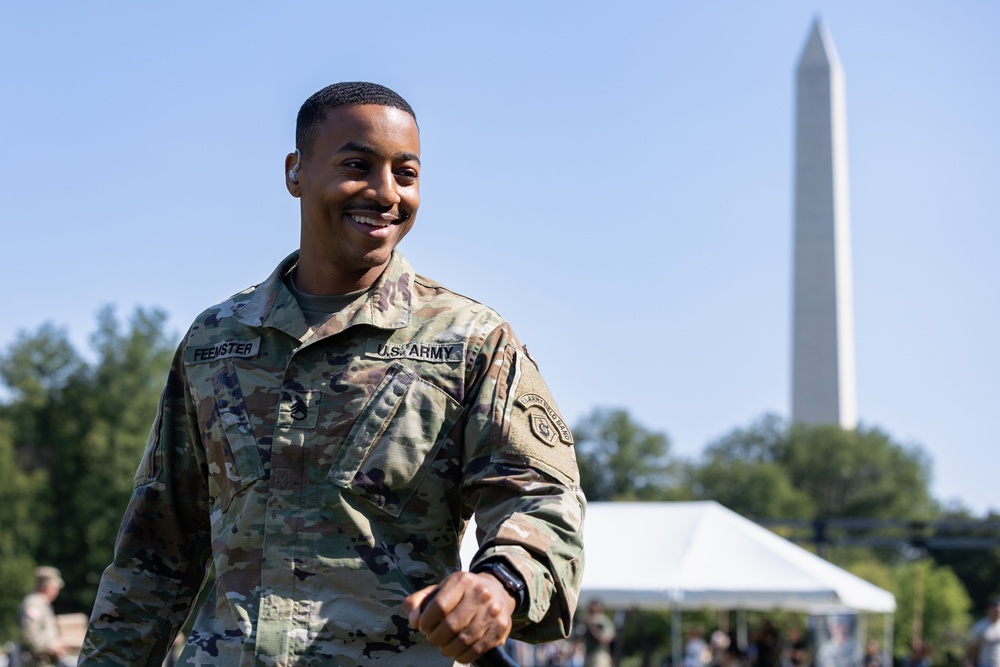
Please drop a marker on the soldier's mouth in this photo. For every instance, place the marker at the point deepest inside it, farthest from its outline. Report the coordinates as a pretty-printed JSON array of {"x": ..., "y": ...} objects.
[{"x": 372, "y": 222}]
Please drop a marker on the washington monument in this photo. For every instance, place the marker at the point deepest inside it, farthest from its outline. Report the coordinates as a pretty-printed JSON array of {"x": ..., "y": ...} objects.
[{"x": 823, "y": 382}]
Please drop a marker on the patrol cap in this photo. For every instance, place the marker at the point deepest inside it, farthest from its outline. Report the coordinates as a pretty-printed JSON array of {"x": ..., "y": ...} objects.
[{"x": 44, "y": 574}]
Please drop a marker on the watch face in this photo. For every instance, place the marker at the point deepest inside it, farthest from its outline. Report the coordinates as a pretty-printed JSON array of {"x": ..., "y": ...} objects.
[{"x": 510, "y": 577}]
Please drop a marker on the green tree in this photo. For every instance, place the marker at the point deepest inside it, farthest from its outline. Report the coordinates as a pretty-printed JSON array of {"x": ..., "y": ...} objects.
[
  {"x": 978, "y": 569},
  {"x": 858, "y": 473},
  {"x": 36, "y": 370},
  {"x": 771, "y": 470},
  {"x": 942, "y": 609},
  {"x": 19, "y": 531},
  {"x": 743, "y": 471},
  {"x": 85, "y": 425},
  {"x": 622, "y": 460}
]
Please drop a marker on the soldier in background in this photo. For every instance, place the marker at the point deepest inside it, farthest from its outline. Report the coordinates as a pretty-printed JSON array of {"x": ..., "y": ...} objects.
[
  {"x": 597, "y": 632},
  {"x": 325, "y": 436},
  {"x": 40, "y": 643}
]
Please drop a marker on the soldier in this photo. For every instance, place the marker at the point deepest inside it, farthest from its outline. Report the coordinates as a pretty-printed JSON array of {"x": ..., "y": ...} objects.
[
  {"x": 324, "y": 437},
  {"x": 40, "y": 643},
  {"x": 597, "y": 632}
]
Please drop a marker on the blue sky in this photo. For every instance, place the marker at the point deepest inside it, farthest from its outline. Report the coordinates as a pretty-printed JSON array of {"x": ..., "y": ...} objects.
[{"x": 615, "y": 180}]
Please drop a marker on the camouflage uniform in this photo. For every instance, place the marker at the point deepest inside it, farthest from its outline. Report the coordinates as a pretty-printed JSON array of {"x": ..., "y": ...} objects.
[
  {"x": 328, "y": 473},
  {"x": 39, "y": 631}
]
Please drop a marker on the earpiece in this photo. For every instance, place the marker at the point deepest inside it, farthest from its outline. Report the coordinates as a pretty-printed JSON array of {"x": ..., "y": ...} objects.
[{"x": 293, "y": 173}]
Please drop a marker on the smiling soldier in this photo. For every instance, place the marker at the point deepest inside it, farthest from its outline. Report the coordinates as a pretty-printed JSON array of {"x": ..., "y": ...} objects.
[{"x": 325, "y": 436}]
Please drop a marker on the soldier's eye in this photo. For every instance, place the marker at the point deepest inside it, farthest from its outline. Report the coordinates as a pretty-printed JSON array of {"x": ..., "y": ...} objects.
[
  {"x": 357, "y": 165},
  {"x": 406, "y": 176}
]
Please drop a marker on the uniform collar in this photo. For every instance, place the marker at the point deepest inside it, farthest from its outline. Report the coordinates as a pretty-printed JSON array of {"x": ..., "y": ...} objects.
[{"x": 388, "y": 305}]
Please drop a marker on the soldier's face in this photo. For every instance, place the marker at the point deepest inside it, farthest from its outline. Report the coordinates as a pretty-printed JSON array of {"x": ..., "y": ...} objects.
[
  {"x": 50, "y": 590},
  {"x": 360, "y": 185}
]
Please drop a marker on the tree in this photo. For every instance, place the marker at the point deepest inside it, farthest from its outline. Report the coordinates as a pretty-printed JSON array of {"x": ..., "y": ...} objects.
[
  {"x": 620, "y": 459},
  {"x": 117, "y": 400},
  {"x": 771, "y": 470},
  {"x": 858, "y": 473},
  {"x": 19, "y": 531},
  {"x": 743, "y": 471},
  {"x": 37, "y": 370},
  {"x": 943, "y": 609},
  {"x": 977, "y": 569},
  {"x": 84, "y": 426}
]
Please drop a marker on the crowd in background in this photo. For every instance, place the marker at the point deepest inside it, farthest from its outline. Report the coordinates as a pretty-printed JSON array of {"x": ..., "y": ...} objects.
[{"x": 827, "y": 641}]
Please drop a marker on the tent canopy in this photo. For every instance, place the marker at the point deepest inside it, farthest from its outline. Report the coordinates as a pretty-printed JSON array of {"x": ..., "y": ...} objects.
[{"x": 697, "y": 555}]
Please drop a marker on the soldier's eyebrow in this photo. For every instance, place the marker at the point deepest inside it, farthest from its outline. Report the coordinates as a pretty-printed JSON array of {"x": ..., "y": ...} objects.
[{"x": 355, "y": 147}]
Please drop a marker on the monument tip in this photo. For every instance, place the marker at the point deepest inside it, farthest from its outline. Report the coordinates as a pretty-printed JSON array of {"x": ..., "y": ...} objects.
[{"x": 819, "y": 50}]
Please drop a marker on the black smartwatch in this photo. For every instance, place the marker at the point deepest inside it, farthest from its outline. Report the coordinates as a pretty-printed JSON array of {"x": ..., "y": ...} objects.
[{"x": 509, "y": 578}]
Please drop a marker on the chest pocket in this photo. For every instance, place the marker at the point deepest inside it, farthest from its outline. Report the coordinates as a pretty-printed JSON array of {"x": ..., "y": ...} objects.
[
  {"x": 237, "y": 463},
  {"x": 394, "y": 441}
]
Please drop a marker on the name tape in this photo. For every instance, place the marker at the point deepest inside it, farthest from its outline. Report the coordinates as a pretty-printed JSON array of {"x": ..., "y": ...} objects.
[{"x": 224, "y": 349}]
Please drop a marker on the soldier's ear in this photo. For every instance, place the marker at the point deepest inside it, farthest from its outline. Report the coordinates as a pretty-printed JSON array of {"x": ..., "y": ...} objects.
[{"x": 292, "y": 162}]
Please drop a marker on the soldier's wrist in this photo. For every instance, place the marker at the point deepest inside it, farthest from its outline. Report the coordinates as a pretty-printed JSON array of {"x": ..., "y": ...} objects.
[{"x": 509, "y": 578}]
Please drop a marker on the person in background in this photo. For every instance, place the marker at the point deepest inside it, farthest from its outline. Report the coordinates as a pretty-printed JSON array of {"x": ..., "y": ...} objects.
[
  {"x": 40, "y": 643},
  {"x": 597, "y": 632},
  {"x": 696, "y": 651},
  {"x": 840, "y": 648},
  {"x": 873, "y": 656},
  {"x": 921, "y": 654},
  {"x": 767, "y": 644},
  {"x": 984, "y": 643},
  {"x": 795, "y": 652}
]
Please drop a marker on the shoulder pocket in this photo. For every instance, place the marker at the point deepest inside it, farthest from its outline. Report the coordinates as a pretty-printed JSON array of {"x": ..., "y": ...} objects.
[{"x": 393, "y": 442}]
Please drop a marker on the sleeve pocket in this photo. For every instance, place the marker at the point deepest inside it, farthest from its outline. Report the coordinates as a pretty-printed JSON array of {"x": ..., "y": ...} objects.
[
  {"x": 392, "y": 444},
  {"x": 237, "y": 462},
  {"x": 149, "y": 466}
]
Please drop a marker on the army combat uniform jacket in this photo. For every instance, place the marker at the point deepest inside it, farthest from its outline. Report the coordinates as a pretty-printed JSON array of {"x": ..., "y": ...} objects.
[
  {"x": 39, "y": 631},
  {"x": 316, "y": 477}
]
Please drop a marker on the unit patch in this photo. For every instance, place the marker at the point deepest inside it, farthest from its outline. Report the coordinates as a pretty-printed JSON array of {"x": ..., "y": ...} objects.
[
  {"x": 433, "y": 352},
  {"x": 224, "y": 349},
  {"x": 547, "y": 427},
  {"x": 529, "y": 429},
  {"x": 543, "y": 428}
]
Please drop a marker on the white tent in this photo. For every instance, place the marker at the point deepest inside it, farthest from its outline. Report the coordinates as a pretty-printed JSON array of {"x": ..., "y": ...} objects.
[{"x": 700, "y": 555}]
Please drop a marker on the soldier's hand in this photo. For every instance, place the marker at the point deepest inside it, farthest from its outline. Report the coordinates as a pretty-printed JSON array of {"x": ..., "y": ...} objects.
[{"x": 468, "y": 615}]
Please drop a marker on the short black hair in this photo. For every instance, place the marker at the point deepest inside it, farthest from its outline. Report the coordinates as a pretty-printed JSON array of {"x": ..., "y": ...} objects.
[{"x": 345, "y": 93}]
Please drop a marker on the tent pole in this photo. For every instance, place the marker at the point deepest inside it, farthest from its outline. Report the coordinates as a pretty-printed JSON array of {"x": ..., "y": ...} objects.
[
  {"x": 741, "y": 630},
  {"x": 675, "y": 631},
  {"x": 887, "y": 627}
]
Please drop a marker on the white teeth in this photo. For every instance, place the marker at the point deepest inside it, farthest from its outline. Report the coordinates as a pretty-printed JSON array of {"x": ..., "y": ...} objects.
[{"x": 373, "y": 222}]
